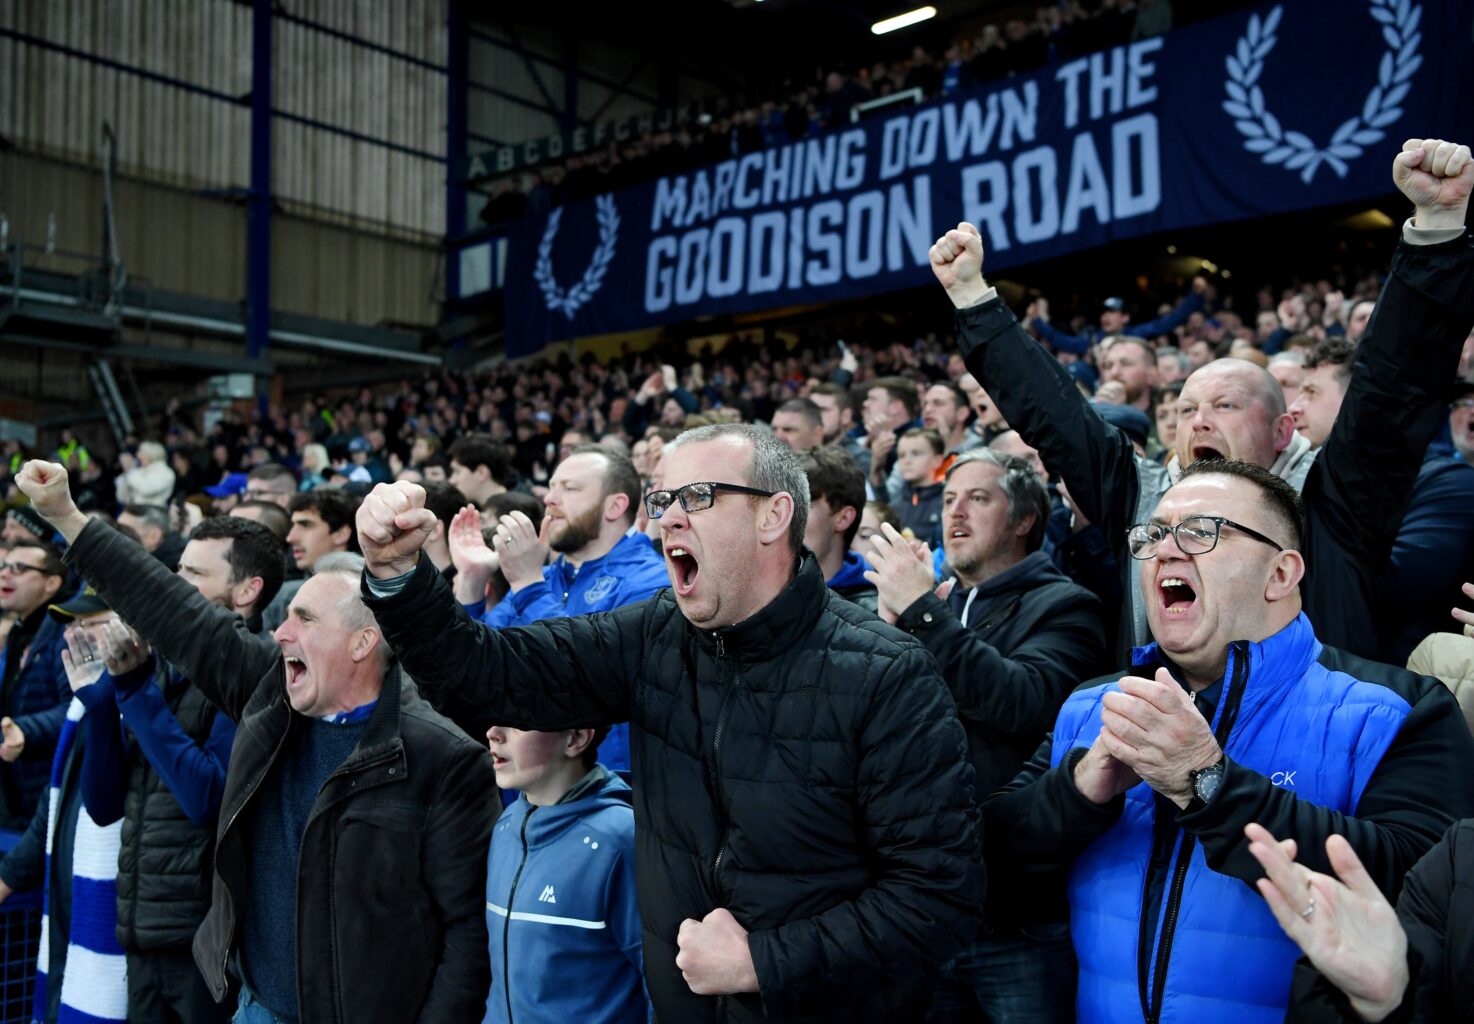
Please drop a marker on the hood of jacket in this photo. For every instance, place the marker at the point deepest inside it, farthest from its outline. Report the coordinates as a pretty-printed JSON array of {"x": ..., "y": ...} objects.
[
  {"x": 553, "y": 822},
  {"x": 634, "y": 551},
  {"x": 851, "y": 573},
  {"x": 1291, "y": 465}
]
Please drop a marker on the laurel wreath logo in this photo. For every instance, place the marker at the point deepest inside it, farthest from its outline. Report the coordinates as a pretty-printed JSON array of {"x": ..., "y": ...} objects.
[
  {"x": 1296, "y": 150},
  {"x": 568, "y": 302}
]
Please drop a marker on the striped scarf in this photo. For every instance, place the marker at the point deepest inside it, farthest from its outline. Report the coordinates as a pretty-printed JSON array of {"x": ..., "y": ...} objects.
[{"x": 94, "y": 986}]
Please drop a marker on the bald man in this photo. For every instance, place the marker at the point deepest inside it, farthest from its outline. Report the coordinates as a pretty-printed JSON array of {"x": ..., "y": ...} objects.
[{"x": 1355, "y": 491}]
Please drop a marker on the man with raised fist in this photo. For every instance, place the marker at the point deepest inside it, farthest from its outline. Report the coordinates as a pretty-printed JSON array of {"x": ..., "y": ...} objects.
[
  {"x": 1356, "y": 487},
  {"x": 350, "y": 855},
  {"x": 806, "y": 832}
]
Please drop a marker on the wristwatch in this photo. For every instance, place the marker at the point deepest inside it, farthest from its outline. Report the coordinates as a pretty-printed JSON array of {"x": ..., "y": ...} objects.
[{"x": 1206, "y": 782}]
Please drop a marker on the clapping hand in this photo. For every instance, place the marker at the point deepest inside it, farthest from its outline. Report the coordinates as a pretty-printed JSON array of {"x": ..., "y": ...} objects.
[
  {"x": 1343, "y": 924},
  {"x": 901, "y": 572},
  {"x": 1152, "y": 726},
  {"x": 118, "y": 649},
  {"x": 521, "y": 549}
]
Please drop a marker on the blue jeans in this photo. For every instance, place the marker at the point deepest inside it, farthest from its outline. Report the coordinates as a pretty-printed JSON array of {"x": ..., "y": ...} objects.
[
  {"x": 252, "y": 1012},
  {"x": 1025, "y": 977}
]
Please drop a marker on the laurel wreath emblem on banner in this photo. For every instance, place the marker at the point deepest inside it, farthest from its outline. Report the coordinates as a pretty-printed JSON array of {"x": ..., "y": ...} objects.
[
  {"x": 568, "y": 302},
  {"x": 1296, "y": 150}
]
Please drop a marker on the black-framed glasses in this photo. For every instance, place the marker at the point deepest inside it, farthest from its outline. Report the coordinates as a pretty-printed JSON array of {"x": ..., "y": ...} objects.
[
  {"x": 1195, "y": 535},
  {"x": 21, "y": 568},
  {"x": 695, "y": 497}
]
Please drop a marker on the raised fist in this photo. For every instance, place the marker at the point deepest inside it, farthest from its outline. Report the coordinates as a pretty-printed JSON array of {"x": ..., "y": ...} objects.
[
  {"x": 957, "y": 261},
  {"x": 45, "y": 483},
  {"x": 393, "y": 524},
  {"x": 1437, "y": 176}
]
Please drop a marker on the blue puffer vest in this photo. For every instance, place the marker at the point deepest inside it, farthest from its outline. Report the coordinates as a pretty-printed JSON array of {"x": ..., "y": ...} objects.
[{"x": 1215, "y": 952}]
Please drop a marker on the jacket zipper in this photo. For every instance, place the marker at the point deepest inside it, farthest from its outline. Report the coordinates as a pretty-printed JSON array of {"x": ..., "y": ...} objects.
[
  {"x": 1233, "y": 694},
  {"x": 507, "y": 925},
  {"x": 716, "y": 753},
  {"x": 281, "y": 741},
  {"x": 341, "y": 772}
]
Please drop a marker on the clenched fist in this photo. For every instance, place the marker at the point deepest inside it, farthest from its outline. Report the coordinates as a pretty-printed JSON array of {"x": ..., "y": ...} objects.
[
  {"x": 1437, "y": 176},
  {"x": 393, "y": 524},
  {"x": 957, "y": 261},
  {"x": 45, "y": 483},
  {"x": 714, "y": 957}
]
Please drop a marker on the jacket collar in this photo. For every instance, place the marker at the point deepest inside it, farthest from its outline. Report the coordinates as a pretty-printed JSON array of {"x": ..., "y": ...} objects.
[
  {"x": 785, "y": 621},
  {"x": 851, "y": 572},
  {"x": 1274, "y": 663},
  {"x": 623, "y": 548},
  {"x": 381, "y": 734}
]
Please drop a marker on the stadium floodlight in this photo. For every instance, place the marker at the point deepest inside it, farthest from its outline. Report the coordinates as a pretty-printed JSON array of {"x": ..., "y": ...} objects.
[{"x": 900, "y": 21}]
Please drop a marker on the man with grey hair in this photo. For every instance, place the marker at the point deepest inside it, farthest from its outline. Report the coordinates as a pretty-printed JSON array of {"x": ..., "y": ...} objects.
[
  {"x": 351, "y": 810},
  {"x": 804, "y": 805},
  {"x": 147, "y": 478},
  {"x": 151, "y": 524},
  {"x": 1013, "y": 639},
  {"x": 1356, "y": 488}
]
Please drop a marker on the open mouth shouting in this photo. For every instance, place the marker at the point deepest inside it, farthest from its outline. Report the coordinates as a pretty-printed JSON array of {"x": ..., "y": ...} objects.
[
  {"x": 1176, "y": 595},
  {"x": 296, "y": 670},
  {"x": 1206, "y": 451},
  {"x": 683, "y": 569}
]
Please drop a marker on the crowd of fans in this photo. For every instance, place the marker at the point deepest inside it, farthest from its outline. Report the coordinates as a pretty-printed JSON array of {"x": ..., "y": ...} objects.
[
  {"x": 790, "y": 642},
  {"x": 797, "y": 107}
]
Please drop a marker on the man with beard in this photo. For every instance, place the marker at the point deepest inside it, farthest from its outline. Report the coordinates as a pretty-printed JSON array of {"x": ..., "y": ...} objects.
[
  {"x": 1012, "y": 640},
  {"x": 1356, "y": 487},
  {"x": 601, "y": 563}
]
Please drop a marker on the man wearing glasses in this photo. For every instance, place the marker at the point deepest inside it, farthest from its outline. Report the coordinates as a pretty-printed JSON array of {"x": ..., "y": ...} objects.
[
  {"x": 1356, "y": 488},
  {"x": 271, "y": 482},
  {"x": 1235, "y": 714},
  {"x": 806, "y": 833},
  {"x": 33, "y": 686}
]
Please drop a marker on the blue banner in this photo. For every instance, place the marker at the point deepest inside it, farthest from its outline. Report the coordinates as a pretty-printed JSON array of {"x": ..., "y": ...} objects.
[{"x": 1285, "y": 107}]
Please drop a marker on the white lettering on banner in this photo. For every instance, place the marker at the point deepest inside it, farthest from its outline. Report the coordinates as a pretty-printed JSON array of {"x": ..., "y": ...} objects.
[
  {"x": 745, "y": 196},
  {"x": 1031, "y": 186},
  {"x": 767, "y": 243},
  {"x": 965, "y": 129},
  {"x": 851, "y": 170},
  {"x": 670, "y": 202},
  {"x": 726, "y": 171},
  {"x": 1028, "y": 227},
  {"x": 1129, "y": 73},
  {"x": 724, "y": 261},
  {"x": 821, "y": 215},
  {"x": 1136, "y": 136},
  {"x": 819, "y": 165},
  {"x": 1087, "y": 188},
  {"x": 987, "y": 215},
  {"x": 1020, "y": 117},
  {"x": 828, "y": 242},
  {"x": 860, "y": 201},
  {"x": 862, "y": 228}
]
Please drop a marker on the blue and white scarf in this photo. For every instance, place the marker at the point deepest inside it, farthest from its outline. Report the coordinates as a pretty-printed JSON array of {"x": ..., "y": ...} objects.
[{"x": 94, "y": 987}]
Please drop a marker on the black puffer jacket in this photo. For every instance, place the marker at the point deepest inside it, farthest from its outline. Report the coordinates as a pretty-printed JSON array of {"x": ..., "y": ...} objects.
[
  {"x": 804, "y": 769},
  {"x": 1031, "y": 637},
  {"x": 166, "y": 860}
]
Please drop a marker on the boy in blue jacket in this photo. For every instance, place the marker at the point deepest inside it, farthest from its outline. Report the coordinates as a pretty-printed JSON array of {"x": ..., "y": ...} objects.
[{"x": 560, "y": 885}]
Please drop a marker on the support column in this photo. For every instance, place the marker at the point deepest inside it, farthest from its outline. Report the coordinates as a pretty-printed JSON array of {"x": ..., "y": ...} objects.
[{"x": 258, "y": 224}]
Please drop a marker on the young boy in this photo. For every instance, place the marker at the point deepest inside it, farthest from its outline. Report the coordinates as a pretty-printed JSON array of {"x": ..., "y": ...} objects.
[
  {"x": 560, "y": 885},
  {"x": 920, "y": 454}
]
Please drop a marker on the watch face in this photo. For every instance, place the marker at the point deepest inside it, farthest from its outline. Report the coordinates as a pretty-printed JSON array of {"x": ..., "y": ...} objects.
[{"x": 1208, "y": 781}]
